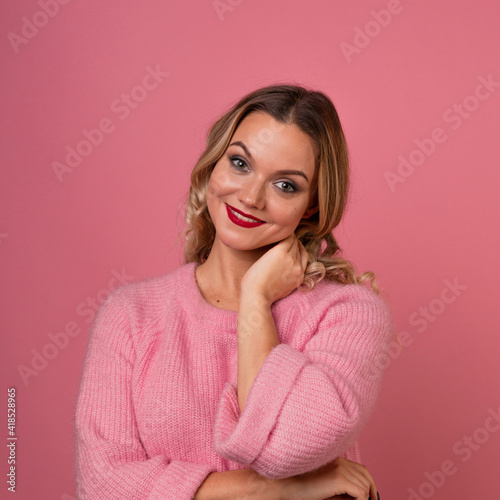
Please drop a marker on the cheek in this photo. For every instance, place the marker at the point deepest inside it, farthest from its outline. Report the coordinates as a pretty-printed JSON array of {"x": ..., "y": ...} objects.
[
  {"x": 218, "y": 184},
  {"x": 285, "y": 214},
  {"x": 212, "y": 188},
  {"x": 288, "y": 208}
]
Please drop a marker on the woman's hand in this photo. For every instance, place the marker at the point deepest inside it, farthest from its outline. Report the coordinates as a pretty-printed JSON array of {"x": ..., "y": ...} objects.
[
  {"x": 279, "y": 271},
  {"x": 337, "y": 480}
]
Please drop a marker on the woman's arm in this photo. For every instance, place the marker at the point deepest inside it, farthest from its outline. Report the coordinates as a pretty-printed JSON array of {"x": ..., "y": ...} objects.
[
  {"x": 110, "y": 460},
  {"x": 270, "y": 278},
  {"x": 257, "y": 336},
  {"x": 239, "y": 484},
  {"x": 300, "y": 408},
  {"x": 307, "y": 406},
  {"x": 336, "y": 480}
]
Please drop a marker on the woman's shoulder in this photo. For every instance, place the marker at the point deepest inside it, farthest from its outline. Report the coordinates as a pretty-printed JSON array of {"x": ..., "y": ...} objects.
[
  {"x": 152, "y": 295},
  {"x": 331, "y": 298}
]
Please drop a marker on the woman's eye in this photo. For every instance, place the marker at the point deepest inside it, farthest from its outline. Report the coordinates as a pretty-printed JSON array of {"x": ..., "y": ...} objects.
[
  {"x": 288, "y": 185},
  {"x": 237, "y": 162}
]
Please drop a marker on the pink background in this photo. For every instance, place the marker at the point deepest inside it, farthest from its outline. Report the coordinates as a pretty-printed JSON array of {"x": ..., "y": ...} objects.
[{"x": 120, "y": 210}]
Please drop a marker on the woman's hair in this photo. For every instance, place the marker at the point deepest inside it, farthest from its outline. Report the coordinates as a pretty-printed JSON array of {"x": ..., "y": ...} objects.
[{"x": 313, "y": 113}]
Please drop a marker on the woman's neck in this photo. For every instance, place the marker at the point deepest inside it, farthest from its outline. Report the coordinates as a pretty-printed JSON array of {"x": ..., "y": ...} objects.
[{"x": 222, "y": 272}]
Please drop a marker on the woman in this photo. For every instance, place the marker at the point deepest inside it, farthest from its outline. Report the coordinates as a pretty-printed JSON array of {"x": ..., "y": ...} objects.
[{"x": 250, "y": 370}]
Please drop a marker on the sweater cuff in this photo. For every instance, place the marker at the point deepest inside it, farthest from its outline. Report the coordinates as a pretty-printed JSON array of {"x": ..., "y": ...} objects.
[
  {"x": 240, "y": 436},
  {"x": 180, "y": 480},
  {"x": 353, "y": 453}
]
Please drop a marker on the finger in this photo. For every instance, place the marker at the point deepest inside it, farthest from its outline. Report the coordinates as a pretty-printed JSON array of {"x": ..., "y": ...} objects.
[
  {"x": 355, "y": 476},
  {"x": 347, "y": 487},
  {"x": 300, "y": 258},
  {"x": 287, "y": 242},
  {"x": 363, "y": 475},
  {"x": 296, "y": 250},
  {"x": 354, "y": 473},
  {"x": 304, "y": 257},
  {"x": 297, "y": 244},
  {"x": 294, "y": 242}
]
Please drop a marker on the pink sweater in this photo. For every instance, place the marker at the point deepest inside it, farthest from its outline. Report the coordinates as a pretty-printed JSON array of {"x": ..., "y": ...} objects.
[{"x": 157, "y": 408}]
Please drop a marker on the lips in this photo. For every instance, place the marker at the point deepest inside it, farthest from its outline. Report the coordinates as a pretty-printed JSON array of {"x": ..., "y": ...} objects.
[
  {"x": 244, "y": 214},
  {"x": 231, "y": 213}
]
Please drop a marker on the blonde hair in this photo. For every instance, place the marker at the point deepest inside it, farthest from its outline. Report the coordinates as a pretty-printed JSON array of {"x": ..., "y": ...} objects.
[{"x": 314, "y": 113}]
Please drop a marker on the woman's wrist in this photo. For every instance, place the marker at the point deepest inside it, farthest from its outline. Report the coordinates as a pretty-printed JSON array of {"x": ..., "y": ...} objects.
[
  {"x": 255, "y": 297},
  {"x": 265, "y": 488},
  {"x": 240, "y": 483}
]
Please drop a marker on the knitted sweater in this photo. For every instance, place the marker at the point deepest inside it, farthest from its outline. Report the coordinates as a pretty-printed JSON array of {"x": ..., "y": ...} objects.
[{"x": 157, "y": 408}]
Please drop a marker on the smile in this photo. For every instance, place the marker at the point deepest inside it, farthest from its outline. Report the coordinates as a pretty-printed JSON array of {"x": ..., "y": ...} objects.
[{"x": 242, "y": 220}]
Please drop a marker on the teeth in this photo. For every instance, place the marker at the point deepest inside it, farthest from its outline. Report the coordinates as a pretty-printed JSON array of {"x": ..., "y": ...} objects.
[{"x": 241, "y": 217}]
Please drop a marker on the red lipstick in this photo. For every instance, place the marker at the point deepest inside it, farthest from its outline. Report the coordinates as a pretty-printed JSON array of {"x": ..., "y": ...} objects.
[{"x": 240, "y": 222}]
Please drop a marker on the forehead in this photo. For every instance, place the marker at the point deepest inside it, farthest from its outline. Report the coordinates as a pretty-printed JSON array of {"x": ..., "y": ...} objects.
[{"x": 275, "y": 142}]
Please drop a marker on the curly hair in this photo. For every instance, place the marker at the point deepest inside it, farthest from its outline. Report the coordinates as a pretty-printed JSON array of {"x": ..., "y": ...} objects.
[{"x": 313, "y": 113}]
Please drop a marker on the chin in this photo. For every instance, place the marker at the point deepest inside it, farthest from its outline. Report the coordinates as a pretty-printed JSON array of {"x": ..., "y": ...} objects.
[
  {"x": 245, "y": 243},
  {"x": 239, "y": 244}
]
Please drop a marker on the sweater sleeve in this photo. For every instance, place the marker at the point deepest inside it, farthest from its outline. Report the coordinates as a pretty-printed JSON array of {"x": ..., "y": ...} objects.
[
  {"x": 307, "y": 406},
  {"x": 110, "y": 460}
]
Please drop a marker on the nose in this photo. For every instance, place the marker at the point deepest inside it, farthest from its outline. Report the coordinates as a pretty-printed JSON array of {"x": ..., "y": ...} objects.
[{"x": 252, "y": 194}]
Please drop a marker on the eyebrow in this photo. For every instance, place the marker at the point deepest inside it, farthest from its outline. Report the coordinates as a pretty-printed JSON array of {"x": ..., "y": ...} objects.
[{"x": 281, "y": 172}]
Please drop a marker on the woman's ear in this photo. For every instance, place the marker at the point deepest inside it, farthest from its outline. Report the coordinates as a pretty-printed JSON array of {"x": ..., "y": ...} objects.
[{"x": 310, "y": 211}]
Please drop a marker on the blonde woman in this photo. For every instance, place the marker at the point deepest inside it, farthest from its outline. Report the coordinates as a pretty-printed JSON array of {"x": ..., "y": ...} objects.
[{"x": 251, "y": 369}]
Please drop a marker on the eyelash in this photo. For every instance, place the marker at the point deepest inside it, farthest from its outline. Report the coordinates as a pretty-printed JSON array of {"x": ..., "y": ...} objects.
[{"x": 232, "y": 159}]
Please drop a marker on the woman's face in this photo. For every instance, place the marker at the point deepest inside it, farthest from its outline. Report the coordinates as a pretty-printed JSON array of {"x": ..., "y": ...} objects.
[{"x": 254, "y": 176}]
